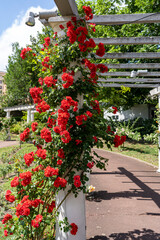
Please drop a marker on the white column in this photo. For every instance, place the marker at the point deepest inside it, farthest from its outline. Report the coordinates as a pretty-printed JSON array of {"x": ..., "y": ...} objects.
[
  {"x": 28, "y": 115},
  {"x": 32, "y": 116},
  {"x": 8, "y": 114},
  {"x": 74, "y": 209},
  {"x": 158, "y": 135}
]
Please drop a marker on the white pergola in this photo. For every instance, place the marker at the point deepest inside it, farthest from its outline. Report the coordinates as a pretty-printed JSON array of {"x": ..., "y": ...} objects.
[{"x": 29, "y": 108}]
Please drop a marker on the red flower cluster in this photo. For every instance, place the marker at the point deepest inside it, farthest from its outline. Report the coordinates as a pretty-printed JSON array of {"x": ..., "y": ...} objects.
[
  {"x": 9, "y": 197},
  {"x": 102, "y": 68},
  {"x": 35, "y": 94},
  {"x": 61, "y": 153},
  {"x": 101, "y": 50},
  {"x": 34, "y": 126},
  {"x": 77, "y": 182},
  {"x": 38, "y": 168},
  {"x": 66, "y": 77},
  {"x": 24, "y": 51},
  {"x": 60, "y": 182},
  {"x": 49, "y": 171},
  {"x": 42, "y": 106},
  {"x": 26, "y": 178},
  {"x": 47, "y": 42},
  {"x": 88, "y": 12},
  {"x": 6, "y": 218},
  {"x": 114, "y": 110},
  {"x": 45, "y": 62},
  {"x": 78, "y": 142},
  {"x": 51, "y": 207},
  {"x": 59, "y": 162},
  {"x": 67, "y": 103},
  {"x": 46, "y": 134},
  {"x": 74, "y": 228},
  {"x": 66, "y": 138},
  {"x": 41, "y": 153},
  {"x": 61, "y": 26},
  {"x": 25, "y": 134},
  {"x": 15, "y": 182},
  {"x": 90, "y": 164},
  {"x": 29, "y": 158},
  {"x": 51, "y": 122},
  {"x": 80, "y": 118},
  {"x": 95, "y": 139},
  {"x": 35, "y": 222},
  {"x": 119, "y": 140},
  {"x": 95, "y": 105},
  {"x": 49, "y": 81}
]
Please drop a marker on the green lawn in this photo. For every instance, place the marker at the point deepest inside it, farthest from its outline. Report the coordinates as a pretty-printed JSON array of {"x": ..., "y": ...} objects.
[{"x": 143, "y": 151}]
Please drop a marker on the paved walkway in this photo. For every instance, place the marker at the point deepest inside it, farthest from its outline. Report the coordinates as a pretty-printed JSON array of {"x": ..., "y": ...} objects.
[
  {"x": 8, "y": 143},
  {"x": 126, "y": 201}
]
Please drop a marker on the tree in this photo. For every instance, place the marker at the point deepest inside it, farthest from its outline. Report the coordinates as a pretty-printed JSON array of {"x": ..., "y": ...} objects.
[{"x": 21, "y": 76}]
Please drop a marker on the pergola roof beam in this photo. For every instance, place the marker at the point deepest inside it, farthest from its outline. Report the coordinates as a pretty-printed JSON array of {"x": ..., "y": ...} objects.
[
  {"x": 118, "y": 19},
  {"x": 127, "y": 74},
  {"x": 133, "y": 80},
  {"x": 67, "y": 7},
  {"x": 133, "y": 66},
  {"x": 128, "y": 40},
  {"x": 130, "y": 55},
  {"x": 129, "y": 85}
]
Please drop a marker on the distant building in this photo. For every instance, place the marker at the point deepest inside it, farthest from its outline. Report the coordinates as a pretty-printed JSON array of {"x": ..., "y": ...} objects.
[
  {"x": 145, "y": 111},
  {"x": 2, "y": 85}
]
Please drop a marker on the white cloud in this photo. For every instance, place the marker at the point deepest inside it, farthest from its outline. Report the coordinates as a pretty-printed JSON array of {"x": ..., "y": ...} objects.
[{"x": 18, "y": 32}]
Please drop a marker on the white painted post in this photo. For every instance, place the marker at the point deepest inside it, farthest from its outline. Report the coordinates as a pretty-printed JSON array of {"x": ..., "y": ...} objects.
[
  {"x": 8, "y": 114},
  {"x": 28, "y": 115},
  {"x": 72, "y": 208},
  {"x": 32, "y": 116},
  {"x": 158, "y": 135}
]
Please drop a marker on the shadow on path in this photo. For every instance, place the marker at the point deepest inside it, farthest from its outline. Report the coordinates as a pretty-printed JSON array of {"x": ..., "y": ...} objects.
[
  {"x": 144, "y": 234},
  {"x": 145, "y": 192}
]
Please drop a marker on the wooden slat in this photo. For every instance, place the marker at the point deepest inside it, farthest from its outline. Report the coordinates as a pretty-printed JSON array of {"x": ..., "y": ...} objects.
[
  {"x": 130, "y": 85},
  {"x": 130, "y": 55},
  {"x": 133, "y": 80},
  {"x": 67, "y": 7},
  {"x": 118, "y": 19},
  {"x": 127, "y": 74},
  {"x": 134, "y": 66},
  {"x": 127, "y": 40}
]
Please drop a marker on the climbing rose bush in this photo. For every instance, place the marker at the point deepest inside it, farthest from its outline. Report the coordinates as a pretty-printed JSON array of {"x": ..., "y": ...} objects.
[{"x": 67, "y": 94}]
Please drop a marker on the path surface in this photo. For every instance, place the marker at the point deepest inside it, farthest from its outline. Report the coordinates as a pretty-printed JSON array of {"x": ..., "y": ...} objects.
[
  {"x": 8, "y": 143},
  {"x": 126, "y": 202}
]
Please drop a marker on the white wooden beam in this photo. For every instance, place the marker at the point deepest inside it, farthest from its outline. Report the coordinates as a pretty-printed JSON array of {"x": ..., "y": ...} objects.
[
  {"x": 129, "y": 55},
  {"x": 128, "y": 40},
  {"x": 133, "y": 66},
  {"x": 118, "y": 19},
  {"x": 128, "y": 74},
  {"x": 130, "y": 85},
  {"x": 155, "y": 91},
  {"x": 132, "y": 80},
  {"x": 67, "y": 7}
]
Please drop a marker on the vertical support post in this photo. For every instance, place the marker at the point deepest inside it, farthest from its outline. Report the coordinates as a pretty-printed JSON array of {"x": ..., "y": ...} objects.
[
  {"x": 8, "y": 114},
  {"x": 32, "y": 116},
  {"x": 158, "y": 135},
  {"x": 28, "y": 115}
]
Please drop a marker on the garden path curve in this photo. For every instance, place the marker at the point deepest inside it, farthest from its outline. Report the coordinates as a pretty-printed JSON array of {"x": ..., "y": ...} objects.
[
  {"x": 8, "y": 143},
  {"x": 126, "y": 201}
]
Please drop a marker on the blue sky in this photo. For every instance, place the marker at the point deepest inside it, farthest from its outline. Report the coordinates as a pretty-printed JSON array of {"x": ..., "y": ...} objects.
[
  {"x": 11, "y": 9},
  {"x": 12, "y": 24}
]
